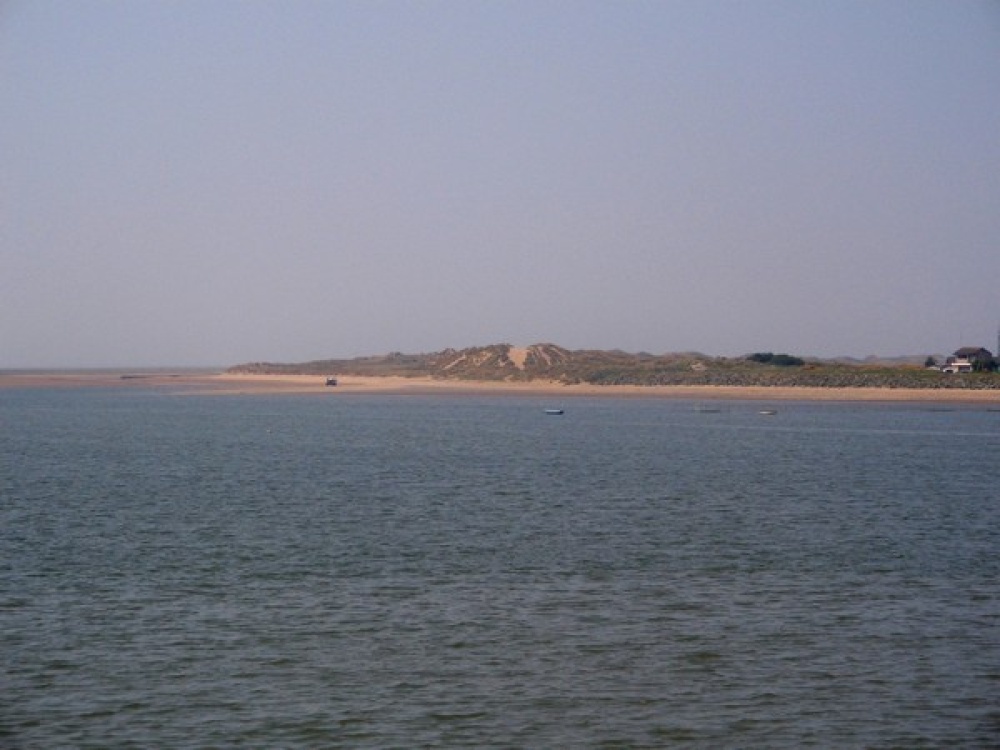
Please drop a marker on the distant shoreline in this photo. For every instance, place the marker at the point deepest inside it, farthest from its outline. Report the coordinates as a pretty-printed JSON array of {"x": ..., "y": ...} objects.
[{"x": 202, "y": 382}]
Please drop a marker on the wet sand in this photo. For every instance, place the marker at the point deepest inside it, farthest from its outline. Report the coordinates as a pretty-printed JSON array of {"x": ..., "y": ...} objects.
[{"x": 204, "y": 382}]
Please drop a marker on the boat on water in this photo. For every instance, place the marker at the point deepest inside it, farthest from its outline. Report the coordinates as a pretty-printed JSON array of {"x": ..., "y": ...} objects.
[
  {"x": 768, "y": 412},
  {"x": 554, "y": 412}
]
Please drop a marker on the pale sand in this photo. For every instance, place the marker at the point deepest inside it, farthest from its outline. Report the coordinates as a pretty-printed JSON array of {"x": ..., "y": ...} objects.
[
  {"x": 518, "y": 355},
  {"x": 224, "y": 383}
]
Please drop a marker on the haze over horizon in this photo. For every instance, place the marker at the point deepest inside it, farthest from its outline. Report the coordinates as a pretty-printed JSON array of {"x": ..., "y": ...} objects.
[{"x": 201, "y": 184}]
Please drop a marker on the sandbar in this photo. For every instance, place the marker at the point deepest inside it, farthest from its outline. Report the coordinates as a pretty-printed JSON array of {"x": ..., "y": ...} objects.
[{"x": 221, "y": 383}]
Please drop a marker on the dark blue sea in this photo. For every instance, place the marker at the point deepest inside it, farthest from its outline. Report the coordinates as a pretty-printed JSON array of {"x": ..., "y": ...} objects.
[{"x": 183, "y": 571}]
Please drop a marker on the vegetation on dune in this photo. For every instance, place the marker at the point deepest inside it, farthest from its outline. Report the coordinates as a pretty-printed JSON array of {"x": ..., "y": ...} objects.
[
  {"x": 780, "y": 360},
  {"x": 555, "y": 363}
]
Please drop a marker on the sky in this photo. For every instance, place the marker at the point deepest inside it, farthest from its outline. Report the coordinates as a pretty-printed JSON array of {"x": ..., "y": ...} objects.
[{"x": 212, "y": 182}]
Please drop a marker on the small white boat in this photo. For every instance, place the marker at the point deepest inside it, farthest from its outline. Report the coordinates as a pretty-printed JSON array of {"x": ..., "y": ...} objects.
[
  {"x": 768, "y": 412},
  {"x": 554, "y": 412}
]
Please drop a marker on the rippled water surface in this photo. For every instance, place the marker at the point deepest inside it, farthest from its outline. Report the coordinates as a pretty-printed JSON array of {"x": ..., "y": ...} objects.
[{"x": 341, "y": 571}]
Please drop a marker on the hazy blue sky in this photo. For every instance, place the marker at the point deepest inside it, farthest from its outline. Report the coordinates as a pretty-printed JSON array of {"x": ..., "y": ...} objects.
[{"x": 208, "y": 182}]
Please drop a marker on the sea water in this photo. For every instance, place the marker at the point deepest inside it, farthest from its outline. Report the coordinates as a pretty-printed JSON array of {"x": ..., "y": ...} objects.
[{"x": 397, "y": 572}]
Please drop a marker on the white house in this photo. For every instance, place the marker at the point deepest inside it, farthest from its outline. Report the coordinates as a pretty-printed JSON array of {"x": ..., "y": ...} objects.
[{"x": 967, "y": 359}]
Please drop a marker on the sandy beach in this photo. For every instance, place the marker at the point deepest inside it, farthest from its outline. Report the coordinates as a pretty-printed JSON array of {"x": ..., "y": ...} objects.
[{"x": 188, "y": 382}]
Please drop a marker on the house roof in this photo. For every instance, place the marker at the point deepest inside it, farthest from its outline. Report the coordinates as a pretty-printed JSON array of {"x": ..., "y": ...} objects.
[{"x": 972, "y": 351}]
